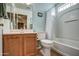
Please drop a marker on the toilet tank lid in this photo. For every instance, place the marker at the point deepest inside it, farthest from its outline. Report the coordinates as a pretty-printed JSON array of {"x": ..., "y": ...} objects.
[
  {"x": 41, "y": 35},
  {"x": 46, "y": 41}
]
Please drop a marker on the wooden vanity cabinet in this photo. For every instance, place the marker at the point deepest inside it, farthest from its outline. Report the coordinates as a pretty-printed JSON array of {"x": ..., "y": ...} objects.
[
  {"x": 30, "y": 44},
  {"x": 19, "y": 45}
]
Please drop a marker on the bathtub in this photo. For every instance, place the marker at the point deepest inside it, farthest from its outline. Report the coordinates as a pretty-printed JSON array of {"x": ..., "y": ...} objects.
[{"x": 66, "y": 47}]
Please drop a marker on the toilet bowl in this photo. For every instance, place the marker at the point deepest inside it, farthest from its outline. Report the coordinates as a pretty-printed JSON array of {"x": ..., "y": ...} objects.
[{"x": 47, "y": 44}]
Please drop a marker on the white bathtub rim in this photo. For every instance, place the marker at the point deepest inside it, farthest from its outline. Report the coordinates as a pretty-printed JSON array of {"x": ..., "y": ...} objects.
[{"x": 66, "y": 45}]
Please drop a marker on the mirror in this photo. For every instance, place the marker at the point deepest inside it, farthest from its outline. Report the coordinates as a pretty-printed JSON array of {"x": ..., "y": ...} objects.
[
  {"x": 19, "y": 15},
  {"x": 20, "y": 20}
]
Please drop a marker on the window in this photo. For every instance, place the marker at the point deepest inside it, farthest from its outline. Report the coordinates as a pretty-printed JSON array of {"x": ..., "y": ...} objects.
[{"x": 65, "y": 6}]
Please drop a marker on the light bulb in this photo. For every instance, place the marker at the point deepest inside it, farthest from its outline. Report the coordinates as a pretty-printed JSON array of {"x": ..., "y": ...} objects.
[{"x": 28, "y": 3}]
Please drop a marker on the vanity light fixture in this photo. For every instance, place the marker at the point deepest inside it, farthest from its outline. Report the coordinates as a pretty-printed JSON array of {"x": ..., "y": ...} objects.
[{"x": 28, "y": 3}]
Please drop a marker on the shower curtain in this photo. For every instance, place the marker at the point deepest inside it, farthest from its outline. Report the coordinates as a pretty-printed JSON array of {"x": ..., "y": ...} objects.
[
  {"x": 3, "y": 13},
  {"x": 0, "y": 41}
]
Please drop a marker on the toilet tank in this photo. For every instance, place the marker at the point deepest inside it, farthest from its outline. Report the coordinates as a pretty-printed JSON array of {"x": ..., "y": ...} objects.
[{"x": 41, "y": 35}]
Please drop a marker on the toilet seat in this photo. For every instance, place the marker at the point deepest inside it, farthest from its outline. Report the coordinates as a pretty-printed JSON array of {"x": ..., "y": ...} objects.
[{"x": 46, "y": 41}]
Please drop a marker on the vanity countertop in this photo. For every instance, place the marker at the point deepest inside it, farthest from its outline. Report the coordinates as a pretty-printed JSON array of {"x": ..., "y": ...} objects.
[
  {"x": 19, "y": 32},
  {"x": 9, "y": 33}
]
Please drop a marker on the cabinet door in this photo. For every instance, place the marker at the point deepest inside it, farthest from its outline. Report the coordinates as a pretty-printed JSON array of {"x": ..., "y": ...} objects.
[
  {"x": 12, "y": 45},
  {"x": 5, "y": 45},
  {"x": 29, "y": 45}
]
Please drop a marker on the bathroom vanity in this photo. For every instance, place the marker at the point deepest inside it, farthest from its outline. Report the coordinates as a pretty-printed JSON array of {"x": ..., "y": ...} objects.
[{"x": 22, "y": 44}]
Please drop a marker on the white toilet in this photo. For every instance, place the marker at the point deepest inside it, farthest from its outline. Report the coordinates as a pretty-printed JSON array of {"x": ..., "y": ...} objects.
[{"x": 46, "y": 43}]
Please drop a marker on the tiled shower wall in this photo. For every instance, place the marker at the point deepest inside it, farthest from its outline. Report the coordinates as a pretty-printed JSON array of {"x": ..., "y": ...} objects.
[{"x": 68, "y": 30}]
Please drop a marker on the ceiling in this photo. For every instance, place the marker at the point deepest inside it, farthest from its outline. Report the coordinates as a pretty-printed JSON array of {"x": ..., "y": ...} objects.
[
  {"x": 22, "y": 5},
  {"x": 44, "y": 6}
]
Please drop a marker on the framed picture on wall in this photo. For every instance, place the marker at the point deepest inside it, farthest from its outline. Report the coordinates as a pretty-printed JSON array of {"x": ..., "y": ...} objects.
[{"x": 40, "y": 14}]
